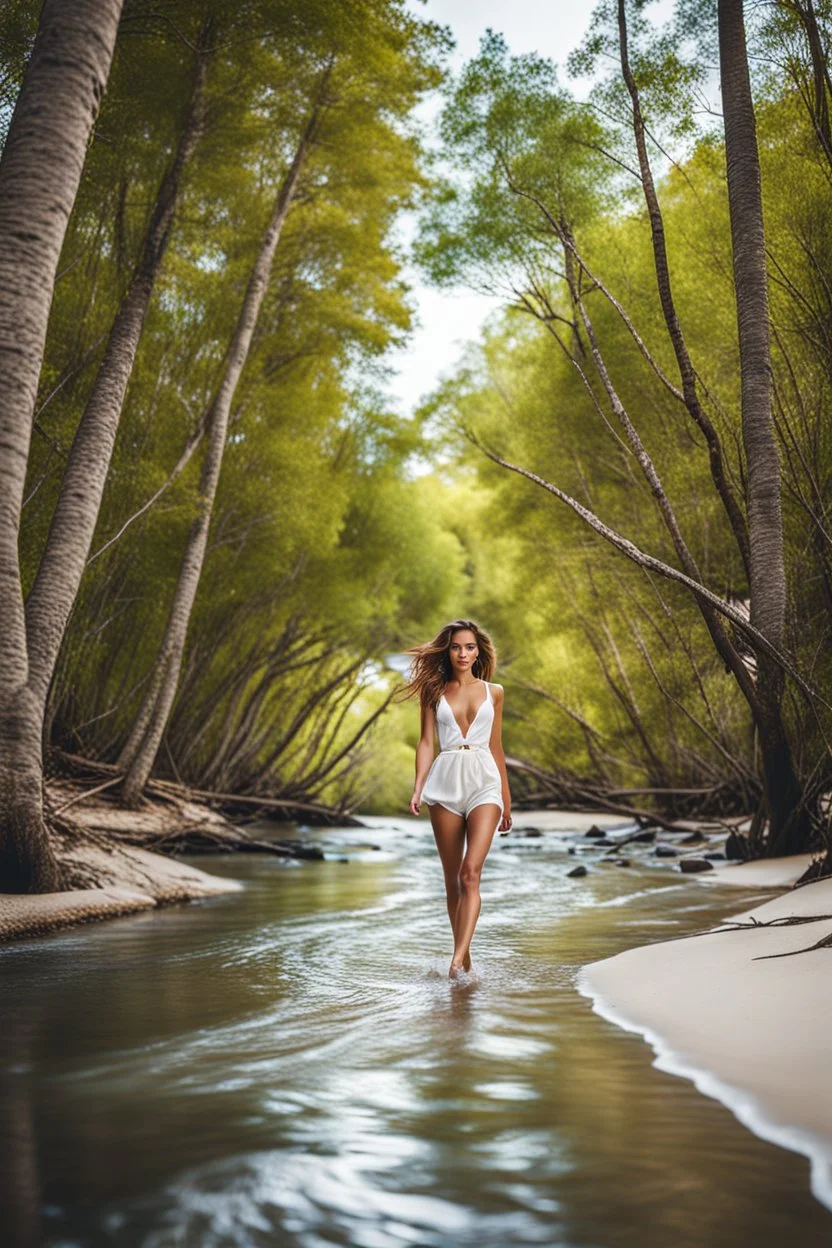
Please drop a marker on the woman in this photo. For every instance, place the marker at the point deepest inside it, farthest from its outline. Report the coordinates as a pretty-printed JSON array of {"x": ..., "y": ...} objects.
[{"x": 466, "y": 785}]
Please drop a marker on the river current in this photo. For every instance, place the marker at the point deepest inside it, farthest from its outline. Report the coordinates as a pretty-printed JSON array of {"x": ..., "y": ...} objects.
[{"x": 290, "y": 1067}]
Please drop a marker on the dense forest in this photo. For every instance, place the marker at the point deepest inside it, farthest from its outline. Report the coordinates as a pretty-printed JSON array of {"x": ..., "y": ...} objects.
[{"x": 217, "y": 532}]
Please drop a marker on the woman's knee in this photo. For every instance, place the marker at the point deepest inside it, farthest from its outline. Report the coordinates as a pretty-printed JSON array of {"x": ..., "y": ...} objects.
[
  {"x": 452, "y": 884},
  {"x": 469, "y": 876}
]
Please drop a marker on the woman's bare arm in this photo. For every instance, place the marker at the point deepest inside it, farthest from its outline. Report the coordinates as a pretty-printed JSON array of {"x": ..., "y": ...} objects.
[
  {"x": 424, "y": 757},
  {"x": 496, "y": 746}
]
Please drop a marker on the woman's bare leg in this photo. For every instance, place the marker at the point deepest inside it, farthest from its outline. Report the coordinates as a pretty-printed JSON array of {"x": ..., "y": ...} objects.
[
  {"x": 449, "y": 834},
  {"x": 482, "y": 824}
]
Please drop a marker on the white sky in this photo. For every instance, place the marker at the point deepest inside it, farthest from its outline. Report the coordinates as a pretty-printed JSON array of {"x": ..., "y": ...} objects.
[{"x": 447, "y": 321}]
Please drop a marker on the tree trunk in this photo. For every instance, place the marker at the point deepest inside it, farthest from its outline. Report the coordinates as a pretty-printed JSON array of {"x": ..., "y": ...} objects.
[
  {"x": 40, "y": 170},
  {"x": 142, "y": 747},
  {"x": 27, "y": 864},
  {"x": 720, "y": 638},
  {"x": 788, "y": 824},
  {"x": 821, "y": 85},
  {"x": 674, "y": 329},
  {"x": 70, "y": 535}
]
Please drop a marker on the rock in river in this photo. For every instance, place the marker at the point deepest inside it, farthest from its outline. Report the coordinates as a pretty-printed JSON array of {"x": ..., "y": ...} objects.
[{"x": 692, "y": 865}]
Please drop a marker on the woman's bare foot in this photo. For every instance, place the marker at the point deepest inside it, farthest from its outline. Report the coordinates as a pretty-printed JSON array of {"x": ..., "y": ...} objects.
[{"x": 455, "y": 968}]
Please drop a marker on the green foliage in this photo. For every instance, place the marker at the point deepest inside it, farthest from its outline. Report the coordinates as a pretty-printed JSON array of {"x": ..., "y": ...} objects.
[
  {"x": 520, "y": 147},
  {"x": 317, "y": 532},
  {"x": 670, "y": 66},
  {"x": 327, "y": 552},
  {"x": 628, "y": 686}
]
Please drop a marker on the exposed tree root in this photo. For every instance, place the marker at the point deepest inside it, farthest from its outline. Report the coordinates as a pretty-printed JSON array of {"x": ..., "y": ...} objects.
[{"x": 752, "y": 924}]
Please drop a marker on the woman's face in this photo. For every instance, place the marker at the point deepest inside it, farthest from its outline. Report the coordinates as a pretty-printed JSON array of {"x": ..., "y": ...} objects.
[{"x": 462, "y": 650}]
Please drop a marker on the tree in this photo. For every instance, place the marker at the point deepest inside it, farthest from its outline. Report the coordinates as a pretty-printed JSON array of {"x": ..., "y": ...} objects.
[
  {"x": 40, "y": 170},
  {"x": 74, "y": 519},
  {"x": 139, "y": 753},
  {"x": 498, "y": 128},
  {"x": 360, "y": 73},
  {"x": 789, "y": 826}
]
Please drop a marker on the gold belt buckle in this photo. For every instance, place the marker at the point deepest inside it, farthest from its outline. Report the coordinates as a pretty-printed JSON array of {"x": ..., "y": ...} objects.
[{"x": 465, "y": 747}]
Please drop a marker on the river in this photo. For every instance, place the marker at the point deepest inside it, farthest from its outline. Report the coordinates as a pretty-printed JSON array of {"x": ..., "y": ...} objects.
[{"x": 290, "y": 1067}]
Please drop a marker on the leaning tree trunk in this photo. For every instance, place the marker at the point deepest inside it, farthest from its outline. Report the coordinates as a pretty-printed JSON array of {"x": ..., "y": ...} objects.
[
  {"x": 687, "y": 373},
  {"x": 40, "y": 170},
  {"x": 788, "y": 822},
  {"x": 73, "y": 523},
  {"x": 139, "y": 753},
  {"x": 818, "y": 106}
]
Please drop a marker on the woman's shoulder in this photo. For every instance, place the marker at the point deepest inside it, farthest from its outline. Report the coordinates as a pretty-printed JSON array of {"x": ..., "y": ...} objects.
[
  {"x": 434, "y": 706},
  {"x": 496, "y": 689}
]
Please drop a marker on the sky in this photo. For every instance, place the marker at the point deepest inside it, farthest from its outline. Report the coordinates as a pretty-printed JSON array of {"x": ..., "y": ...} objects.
[{"x": 447, "y": 321}]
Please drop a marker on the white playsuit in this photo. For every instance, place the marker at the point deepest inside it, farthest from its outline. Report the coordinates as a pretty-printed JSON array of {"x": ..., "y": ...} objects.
[{"x": 464, "y": 773}]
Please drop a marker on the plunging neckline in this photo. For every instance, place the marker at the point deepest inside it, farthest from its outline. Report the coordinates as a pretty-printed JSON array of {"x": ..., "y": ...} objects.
[{"x": 465, "y": 735}]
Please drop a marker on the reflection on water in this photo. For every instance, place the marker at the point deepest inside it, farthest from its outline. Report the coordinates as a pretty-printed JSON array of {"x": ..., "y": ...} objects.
[{"x": 290, "y": 1066}]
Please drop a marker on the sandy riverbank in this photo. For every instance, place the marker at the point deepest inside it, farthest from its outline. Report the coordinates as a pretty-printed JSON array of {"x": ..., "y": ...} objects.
[
  {"x": 130, "y": 880},
  {"x": 776, "y": 873},
  {"x": 750, "y": 1030},
  {"x": 113, "y": 877},
  {"x": 120, "y": 861}
]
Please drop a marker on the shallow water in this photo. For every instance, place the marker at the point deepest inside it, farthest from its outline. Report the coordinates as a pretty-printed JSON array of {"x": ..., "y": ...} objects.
[{"x": 290, "y": 1066}]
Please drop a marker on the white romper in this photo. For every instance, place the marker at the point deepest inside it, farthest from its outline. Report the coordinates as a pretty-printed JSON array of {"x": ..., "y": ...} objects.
[{"x": 464, "y": 773}]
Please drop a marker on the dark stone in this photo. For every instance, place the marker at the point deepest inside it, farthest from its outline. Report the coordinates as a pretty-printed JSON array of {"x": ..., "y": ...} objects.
[
  {"x": 693, "y": 838},
  {"x": 665, "y": 851},
  {"x": 622, "y": 862},
  {"x": 571, "y": 850},
  {"x": 644, "y": 838},
  {"x": 531, "y": 831},
  {"x": 594, "y": 831},
  {"x": 375, "y": 847},
  {"x": 343, "y": 859},
  {"x": 691, "y": 865},
  {"x": 577, "y": 871},
  {"x": 716, "y": 856},
  {"x": 736, "y": 847}
]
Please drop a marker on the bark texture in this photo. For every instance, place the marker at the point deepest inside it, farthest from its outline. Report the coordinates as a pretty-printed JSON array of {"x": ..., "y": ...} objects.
[
  {"x": 40, "y": 170},
  {"x": 687, "y": 373},
  {"x": 821, "y": 87},
  {"x": 140, "y": 751},
  {"x": 76, "y": 513},
  {"x": 788, "y": 822}
]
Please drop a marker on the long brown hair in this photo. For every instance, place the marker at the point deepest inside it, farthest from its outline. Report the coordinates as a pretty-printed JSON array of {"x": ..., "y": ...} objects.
[{"x": 430, "y": 669}]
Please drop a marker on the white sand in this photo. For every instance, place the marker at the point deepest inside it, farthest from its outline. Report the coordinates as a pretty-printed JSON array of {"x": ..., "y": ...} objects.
[
  {"x": 755, "y": 1035},
  {"x": 571, "y": 821},
  {"x": 162, "y": 878},
  {"x": 776, "y": 873},
  {"x": 22, "y": 916},
  {"x": 131, "y": 880}
]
